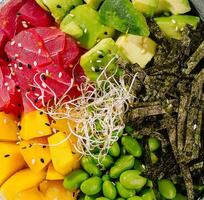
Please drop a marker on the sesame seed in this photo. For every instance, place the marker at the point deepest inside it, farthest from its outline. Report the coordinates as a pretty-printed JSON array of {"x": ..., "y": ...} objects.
[
  {"x": 29, "y": 66},
  {"x": 33, "y": 161},
  {"x": 71, "y": 15},
  {"x": 98, "y": 61},
  {"x": 85, "y": 30},
  {"x": 60, "y": 75},
  {"x": 20, "y": 68},
  {"x": 54, "y": 130},
  {"x": 15, "y": 66},
  {"x": 19, "y": 45},
  {"x": 93, "y": 69},
  {"x": 47, "y": 72},
  {"x": 6, "y": 155},
  {"x": 173, "y": 21},
  {"x": 6, "y": 84},
  {"x": 35, "y": 63},
  {"x": 39, "y": 51},
  {"x": 59, "y": 6},
  {"x": 16, "y": 55},
  {"x": 44, "y": 85},
  {"x": 18, "y": 90},
  {"x": 24, "y": 23},
  {"x": 42, "y": 160},
  {"x": 19, "y": 127},
  {"x": 181, "y": 29},
  {"x": 177, "y": 28},
  {"x": 12, "y": 43},
  {"x": 47, "y": 124},
  {"x": 36, "y": 94},
  {"x": 194, "y": 126},
  {"x": 8, "y": 88}
]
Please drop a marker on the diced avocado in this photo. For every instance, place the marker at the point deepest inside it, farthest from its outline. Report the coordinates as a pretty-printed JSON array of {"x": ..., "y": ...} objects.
[
  {"x": 94, "y": 3},
  {"x": 174, "y": 6},
  {"x": 59, "y": 8},
  {"x": 138, "y": 49},
  {"x": 85, "y": 26},
  {"x": 96, "y": 59},
  {"x": 122, "y": 16},
  {"x": 147, "y": 7},
  {"x": 172, "y": 26}
]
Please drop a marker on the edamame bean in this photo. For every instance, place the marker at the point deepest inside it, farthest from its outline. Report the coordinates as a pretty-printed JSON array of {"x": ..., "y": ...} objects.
[
  {"x": 139, "y": 166},
  {"x": 148, "y": 194},
  {"x": 89, "y": 165},
  {"x": 124, "y": 192},
  {"x": 153, "y": 157},
  {"x": 125, "y": 162},
  {"x": 179, "y": 197},
  {"x": 89, "y": 198},
  {"x": 105, "y": 177},
  {"x": 167, "y": 188},
  {"x": 102, "y": 198},
  {"x": 131, "y": 179},
  {"x": 109, "y": 190},
  {"x": 91, "y": 186},
  {"x": 149, "y": 183},
  {"x": 120, "y": 198},
  {"x": 153, "y": 143},
  {"x": 135, "y": 198},
  {"x": 107, "y": 161},
  {"x": 132, "y": 146},
  {"x": 74, "y": 179},
  {"x": 114, "y": 150}
]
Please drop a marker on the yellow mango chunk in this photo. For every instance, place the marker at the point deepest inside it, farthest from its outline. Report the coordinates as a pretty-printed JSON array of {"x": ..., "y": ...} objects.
[
  {"x": 34, "y": 124},
  {"x": 11, "y": 160},
  {"x": 30, "y": 194},
  {"x": 37, "y": 156},
  {"x": 52, "y": 174},
  {"x": 21, "y": 181},
  {"x": 8, "y": 127},
  {"x": 61, "y": 153},
  {"x": 76, "y": 163},
  {"x": 55, "y": 190}
]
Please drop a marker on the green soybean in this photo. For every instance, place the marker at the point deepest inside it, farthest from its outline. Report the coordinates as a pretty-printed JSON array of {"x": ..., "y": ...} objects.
[
  {"x": 105, "y": 177},
  {"x": 124, "y": 192},
  {"x": 153, "y": 157},
  {"x": 114, "y": 150},
  {"x": 131, "y": 179},
  {"x": 179, "y": 197},
  {"x": 102, "y": 198},
  {"x": 109, "y": 190},
  {"x": 91, "y": 186},
  {"x": 107, "y": 161},
  {"x": 139, "y": 166},
  {"x": 135, "y": 198},
  {"x": 74, "y": 179},
  {"x": 89, "y": 198},
  {"x": 153, "y": 143},
  {"x": 132, "y": 146},
  {"x": 167, "y": 188},
  {"x": 90, "y": 166},
  {"x": 124, "y": 163},
  {"x": 120, "y": 198},
  {"x": 148, "y": 194}
]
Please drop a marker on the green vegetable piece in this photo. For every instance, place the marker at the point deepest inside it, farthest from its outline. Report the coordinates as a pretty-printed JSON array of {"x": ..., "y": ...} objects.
[
  {"x": 167, "y": 188},
  {"x": 102, "y": 198},
  {"x": 109, "y": 190},
  {"x": 135, "y": 198},
  {"x": 154, "y": 158},
  {"x": 120, "y": 198},
  {"x": 124, "y": 192},
  {"x": 153, "y": 143},
  {"x": 114, "y": 150},
  {"x": 139, "y": 166},
  {"x": 129, "y": 129},
  {"x": 148, "y": 194},
  {"x": 174, "y": 6},
  {"x": 179, "y": 197},
  {"x": 131, "y": 179},
  {"x": 89, "y": 165},
  {"x": 73, "y": 180},
  {"x": 105, "y": 177},
  {"x": 123, "y": 163},
  {"x": 122, "y": 16},
  {"x": 147, "y": 7},
  {"x": 123, "y": 151},
  {"x": 91, "y": 186},
  {"x": 89, "y": 198},
  {"x": 96, "y": 59},
  {"x": 93, "y": 3},
  {"x": 60, "y": 8},
  {"x": 93, "y": 30},
  {"x": 173, "y": 26},
  {"x": 132, "y": 146},
  {"x": 149, "y": 183},
  {"x": 107, "y": 161}
]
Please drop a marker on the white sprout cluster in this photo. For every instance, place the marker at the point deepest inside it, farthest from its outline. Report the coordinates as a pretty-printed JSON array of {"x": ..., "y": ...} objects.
[{"x": 98, "y": 113}]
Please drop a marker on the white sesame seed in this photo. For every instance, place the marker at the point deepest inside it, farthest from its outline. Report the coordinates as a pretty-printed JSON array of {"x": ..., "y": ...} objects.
[
  {"x": 194, "y": 126},
  {"x": 35, "y": 63},
  {"x": 24, "y": 23},
  {"x": 18, "y": 90},
  {"x": 9, "y": 65},
  {"x": 19, "y": 45},
  {"x": 6, "y": 84},
  {"x": 47, "y": 72},
  {"x": 98, "y": 61},
  {"x": 177, "y": 28},
  {"x": 71, "y": 15},
  {"x": 8, "y": 88},
  {"x": 5, "y": 121},
  {"x": 54, "y": 130},
  {"x": 93, "y": 69},
  {"x": 36, "y": 94},
  {"x": 17, "y": 143},
  {"x": 99, "y": 52},
  {"x": 173, "y": 21},
  {"x": 44, "y": 85},
  {"x": 39, "y": 51},
  {"x": 20, "y": 68},
  {"x": 60, "y": 75},
  {"x": 12, "y": 43},
  {"x": 33, "y": 161},
  {"x": 16, "y": 55},
  {"x": 85, "y": 30},
  {"x": 181, "y": 29}
]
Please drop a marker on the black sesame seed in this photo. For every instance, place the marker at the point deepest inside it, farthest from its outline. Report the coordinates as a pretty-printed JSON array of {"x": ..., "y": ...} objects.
[
  {"x": 43, "y": 146},
  {"x": 19, "y": 105},
  {"x": 43, "y": 77},
  {"x": 47, "y": 124},
  {"x": 23, "y": 147},
  {"x": 6, "y": 155},
  {"x": 18, "y": 87},
  {"x": 41, "y": 112},
  {"x": 105, "y": 33},
  {"x": 8, "y": 60},
  {"x": 33, "y": 89},
  {"x": 19, "y": 116},
  {"x": 101, "y": 56},
  {"x": 36, "y": 100},
  {"x": 59, "y": 6},
  {"x": 29, "y": 66},
  {"x": 20, "y": 64},
  {"x": 42, "y": 160},
  {"x": 19, "y": 127},
  {"x": 28, "y": 89},
  {"x": 30, "y": 145}
]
